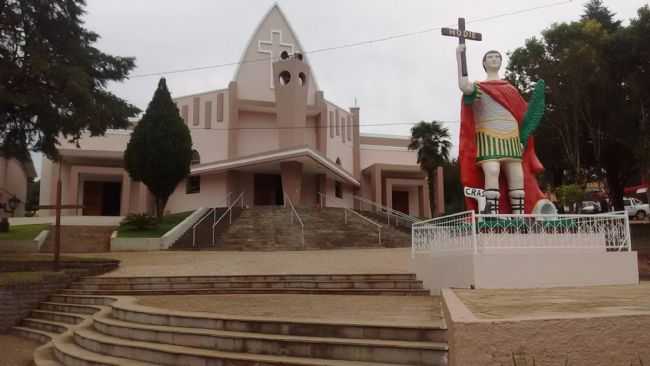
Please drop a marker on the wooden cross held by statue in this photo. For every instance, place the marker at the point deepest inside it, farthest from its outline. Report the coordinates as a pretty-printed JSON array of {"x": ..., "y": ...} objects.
[
  {"x": 462, "y": 34},
  {"x": 57, "y": 224}
]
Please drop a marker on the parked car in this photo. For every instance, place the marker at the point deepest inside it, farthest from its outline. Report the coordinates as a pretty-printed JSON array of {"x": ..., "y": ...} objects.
[
  {"x": 589, "y": 207},
  {"x": 635, "y": 208}
]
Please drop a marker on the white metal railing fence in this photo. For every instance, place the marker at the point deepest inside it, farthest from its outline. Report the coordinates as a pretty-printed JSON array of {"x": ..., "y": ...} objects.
[
  {"x": 392, "y": 216},
  {"x": 239, "y": 200},
  {"x": 452, "y": 232},
  {"x": 369, "y": 221},
  {"x": 294, "y": 212},
  {"x": 468, "y": 231},
  {"x": 211, "y": 213}
]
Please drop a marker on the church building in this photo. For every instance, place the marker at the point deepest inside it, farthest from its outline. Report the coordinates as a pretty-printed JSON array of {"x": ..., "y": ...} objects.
[{"x": 270, "y": 133}]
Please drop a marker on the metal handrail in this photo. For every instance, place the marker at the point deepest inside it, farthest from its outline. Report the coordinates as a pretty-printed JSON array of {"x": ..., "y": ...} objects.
[
  {"x": 294, "y": 212},
  {"x": 389, "y": 211},
  {"x": 346, "y": 209},
  {"x": 211, "y": 212},
  {"x": 228, "y": 211}
]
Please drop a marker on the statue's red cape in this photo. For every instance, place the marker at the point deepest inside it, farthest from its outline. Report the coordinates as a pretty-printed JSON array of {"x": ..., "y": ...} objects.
[{"x": 471, "y": 174}]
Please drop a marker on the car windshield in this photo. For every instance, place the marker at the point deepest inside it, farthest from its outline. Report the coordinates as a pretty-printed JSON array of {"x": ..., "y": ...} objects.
[{"x": 626, "y": 202}]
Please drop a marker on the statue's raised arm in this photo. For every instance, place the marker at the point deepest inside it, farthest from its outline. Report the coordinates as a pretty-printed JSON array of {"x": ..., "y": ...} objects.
[{"x": 464, "y": 84}]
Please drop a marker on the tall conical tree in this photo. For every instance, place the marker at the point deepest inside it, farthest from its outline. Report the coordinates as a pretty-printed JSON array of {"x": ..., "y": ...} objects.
[{"x": 160, "y": 150}]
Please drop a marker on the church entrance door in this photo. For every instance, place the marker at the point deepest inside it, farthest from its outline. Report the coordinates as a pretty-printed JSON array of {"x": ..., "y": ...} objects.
[
  {"x": 401, "y": 201},
  {"x": 102, "y": 198},
  {"x": 268, "y": 190}
]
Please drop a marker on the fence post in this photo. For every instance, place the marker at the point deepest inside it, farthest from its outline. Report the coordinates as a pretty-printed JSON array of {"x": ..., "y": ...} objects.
[
  {"x": 628, "y": 234},
  {"x": 474, "y": 234}
]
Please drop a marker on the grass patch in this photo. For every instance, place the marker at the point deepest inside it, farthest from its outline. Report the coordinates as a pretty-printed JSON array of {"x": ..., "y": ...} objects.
[
  {"x": 23, "y": 232},
  {"x": 166, "y": 224},
  {"x": 21, "y": 278}
]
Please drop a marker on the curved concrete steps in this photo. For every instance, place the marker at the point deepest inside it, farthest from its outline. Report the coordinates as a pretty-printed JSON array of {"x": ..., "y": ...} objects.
[
  {"x": 262, "y": 277},
  {"x": 90, "y": 330},
  {"x": 350, "y": 284},
  {"x": 165, "y": 354},
  {"x": 56, "y": 316},
  {"x": 67, "y": 352},
  {"x": 127, "y": 310},
  {"x": 68, "y": 307},
  {"x": 305, "y": 284},
  {"x": 364, "y": 350},
  {"x": 41, "y": 336},
  {"x": 213, "y": 291}
]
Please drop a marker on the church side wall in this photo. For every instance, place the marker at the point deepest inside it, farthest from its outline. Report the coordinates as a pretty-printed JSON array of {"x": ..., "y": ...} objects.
[
  {"x": 378, "y": 154},
  {"x": 337, "y": 146},
  {"x": 213, "y": 192}
]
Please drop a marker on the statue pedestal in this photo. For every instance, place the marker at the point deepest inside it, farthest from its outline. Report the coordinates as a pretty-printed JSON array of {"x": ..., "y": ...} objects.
[{"x": 480, "y": 251}]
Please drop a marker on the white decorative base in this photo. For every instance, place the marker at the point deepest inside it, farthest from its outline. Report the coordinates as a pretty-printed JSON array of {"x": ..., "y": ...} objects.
[{"x": 529, "y": 268}]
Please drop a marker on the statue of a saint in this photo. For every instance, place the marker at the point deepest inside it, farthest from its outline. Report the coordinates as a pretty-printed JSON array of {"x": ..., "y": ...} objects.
[{"x": 496, "y": 137}]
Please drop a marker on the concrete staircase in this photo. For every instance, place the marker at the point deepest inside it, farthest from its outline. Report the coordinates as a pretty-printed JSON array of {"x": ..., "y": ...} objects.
[
  {"x": 351, "y": 284},
  {"x": 269, "y": 228},
  {"x": 115, "y": 330}
]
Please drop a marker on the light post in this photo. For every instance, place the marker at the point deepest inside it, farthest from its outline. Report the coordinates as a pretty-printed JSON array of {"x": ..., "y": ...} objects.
[{"x": 8, "y": 207}]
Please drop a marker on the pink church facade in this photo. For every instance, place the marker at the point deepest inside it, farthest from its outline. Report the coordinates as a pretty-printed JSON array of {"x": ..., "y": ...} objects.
[{"x": 270, "y": 132}]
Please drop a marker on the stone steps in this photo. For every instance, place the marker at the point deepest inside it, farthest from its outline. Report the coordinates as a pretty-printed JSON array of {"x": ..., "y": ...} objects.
[
  {"x": 90, "y": 330},
  {"x": 218, "y": 291},
  {"x": 264, "y": 228},
  {"x": 274, "y": 277},
  {"x": 279, "y": 326},
  {"x": 69, "y": 308},
  {"x": 166, "y": 354},
  {"x": 304, "y": 284},
  {"x": 402, "y": 352},
  {"x": 67, "y": 352},
  {"x": 46, "y": 325},
  {"x": 55, "y": 316},
  {"x": 40, "y": 336}
]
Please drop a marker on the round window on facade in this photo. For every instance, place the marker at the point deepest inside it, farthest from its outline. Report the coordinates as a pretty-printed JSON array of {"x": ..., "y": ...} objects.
[
  {"x": 303, "y": 78},
  {"x": 284, "y": 55},
  {"x": 285, "y": 77}
]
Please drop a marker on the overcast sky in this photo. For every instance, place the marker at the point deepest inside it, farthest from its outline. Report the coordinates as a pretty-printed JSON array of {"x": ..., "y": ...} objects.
[{"x": 402, "y": 80}]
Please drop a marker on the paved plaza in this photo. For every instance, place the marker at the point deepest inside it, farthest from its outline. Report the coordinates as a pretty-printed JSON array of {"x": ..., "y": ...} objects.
[
  {"x": 557, "y": 302},
  {"x": 181, "y": 263},
  {"x": 18, "y": 351}
]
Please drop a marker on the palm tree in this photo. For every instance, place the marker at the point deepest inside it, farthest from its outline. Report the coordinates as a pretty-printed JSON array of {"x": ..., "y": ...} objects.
[{"x": 432, "y": 142}]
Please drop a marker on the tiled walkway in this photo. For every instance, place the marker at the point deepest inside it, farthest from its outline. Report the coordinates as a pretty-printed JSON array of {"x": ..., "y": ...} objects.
[{"x": 568, "y": 301}]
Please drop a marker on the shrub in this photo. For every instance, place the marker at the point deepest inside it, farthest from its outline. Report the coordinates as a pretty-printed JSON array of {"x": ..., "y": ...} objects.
[{"x": 141, "y": 221}]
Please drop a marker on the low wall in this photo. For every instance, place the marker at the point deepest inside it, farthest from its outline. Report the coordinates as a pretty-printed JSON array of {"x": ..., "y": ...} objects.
[
  {"x": 594, "y": 340},
  {"x": 134, "y": 244},
  {"x": 69, "y": 220},
  {"x": 151, "y": 244},
  {"x": 526, "y": 268},
  {"x": 17, "y": 300},
  {"x": 24, "y": 246},
  {"x": 82, "y": 239}
]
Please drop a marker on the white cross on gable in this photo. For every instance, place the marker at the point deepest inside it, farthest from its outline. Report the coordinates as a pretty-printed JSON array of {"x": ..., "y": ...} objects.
[{"x": 273, "y": 48}]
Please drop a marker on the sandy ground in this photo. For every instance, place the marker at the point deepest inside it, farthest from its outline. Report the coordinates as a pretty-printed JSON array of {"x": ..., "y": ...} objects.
[
  {"x": 405, "y": 310},
  {"x": 172, "y": 263},
  {"x": 491, "y": 304},
  {"x": 17, "y": 351}
]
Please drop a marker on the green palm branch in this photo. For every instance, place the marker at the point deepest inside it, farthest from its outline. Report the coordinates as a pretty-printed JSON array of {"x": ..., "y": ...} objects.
[{"x": 534, "y": 113}]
